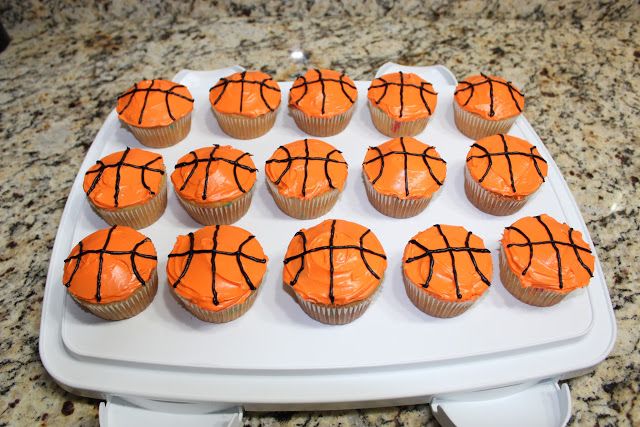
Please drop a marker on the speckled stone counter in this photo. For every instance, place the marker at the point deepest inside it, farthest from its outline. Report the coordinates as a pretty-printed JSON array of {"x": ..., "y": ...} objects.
[{"x": 59, "y": 79}]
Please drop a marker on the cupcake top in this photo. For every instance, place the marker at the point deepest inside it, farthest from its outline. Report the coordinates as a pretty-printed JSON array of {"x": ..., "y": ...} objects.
[
  {"x": 151, "y": 103},
  {"x": 506, "y": 165},
  {"x": 336, "y": 262},
  {"x": 124, "y": 178},
  {"x": 490, "y": 97},
  {"x": 403, "y": 96},
  {"x": 216, "y": 267},
  {"x": 109, "y": 265},
  {"x": 547, "y": 254},
  {"x": 306, "y": 168},
  {"x": 214, "y": 174},
  {"x": 249, "y": 93},
  {"x": 323, "y": 93},
  {"x": 448, "y": 262},
  {"x": 405, "y": 168}
]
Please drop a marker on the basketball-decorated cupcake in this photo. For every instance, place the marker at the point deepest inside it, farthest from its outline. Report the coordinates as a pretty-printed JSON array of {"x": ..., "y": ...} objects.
[
  {"x": 306, "y": 177},
  {"x": 215, "y": 184},
  {"x": 127, "y": 187},
  {"x": 401, "y": 103},
  {"x": 112, "y": 273},
  {"x": 334, "y": 270},
  {"x": 322, "y": 102},
  {"x": 215, "y": 273},
  {"x": 502, "y": 173},
  {"x": 402, "y": 175},
  {"x": 543, "y": 260},
  {"x": 157, "y": 112},
  {"x": 446, "y": 269},
  {"x": 245, "y": 104},
  {"x": 486, "y": 105}
]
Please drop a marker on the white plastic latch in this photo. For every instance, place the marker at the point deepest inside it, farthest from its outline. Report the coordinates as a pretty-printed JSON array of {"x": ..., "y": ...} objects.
[
  {"x": 117, "y": 412},
  {"x": 545, "y": 404}
]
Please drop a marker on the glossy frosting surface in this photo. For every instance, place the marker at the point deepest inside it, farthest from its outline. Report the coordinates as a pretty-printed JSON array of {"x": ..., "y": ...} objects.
[
  {"x": 490, "y": 97},
  {"x": 428, "y": 261},
  {"x": 323, "y": 93},
  {"x": 309, "y": 263},
  {"x": 216, "y": 266},
  {"x": 249, "y": 93},
  {"x": 561, "y": 267},
  {"x": 107, "y": 277},
  {"x": 151, "y": 103},
  {"x": 403, "y": 96}
]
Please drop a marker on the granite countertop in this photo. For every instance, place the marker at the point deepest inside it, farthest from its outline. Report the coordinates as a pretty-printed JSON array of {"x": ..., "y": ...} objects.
[{"x": 61, "y": 73}]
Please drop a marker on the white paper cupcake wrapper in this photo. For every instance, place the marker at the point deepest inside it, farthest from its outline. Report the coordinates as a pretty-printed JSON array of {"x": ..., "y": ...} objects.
[
  {"x": 119, "y": 310},
  {"x": 334, "y": 315},
  {"x": 241, "y": 127},
  {"x": 489, "y": 202},
  {"x": 222, "y": 316},
  {"x": 530, "y": 295},
  {"x": 139, "y": 216},
  {"x": 319, "y": 126},
  {"x": 475, "y": 127},
  {"x": 226, "y": 213},
  {"x": 434, "y": 306},
  {"x": 163, "y": 136},
  {"x": 394, "y": 206},
  {"x": 304, "y": 208},
  {"x": 394, "y": 129}
]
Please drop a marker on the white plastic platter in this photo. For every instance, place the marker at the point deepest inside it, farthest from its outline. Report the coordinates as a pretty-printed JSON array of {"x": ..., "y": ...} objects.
[{"x": 275, "y": 334}]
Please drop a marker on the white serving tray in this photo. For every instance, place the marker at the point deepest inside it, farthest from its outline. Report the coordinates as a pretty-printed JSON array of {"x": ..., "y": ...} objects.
[{"x": 276, "y": 341}]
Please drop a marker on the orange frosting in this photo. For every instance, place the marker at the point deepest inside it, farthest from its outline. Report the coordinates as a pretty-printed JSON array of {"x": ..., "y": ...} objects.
[
  {"x": 336, "y": 262},
  {"x": 124, "y": 178},
  {"x": 109, "y": 265},
  {"x": 214, "y": 174},
  {"x": 216, "y": 267},
  {"x": 405, "y": 168},
  {"x": 249, "y": 93},
  {"x": 547, "y": 254},
  {"x": 323, "y": 93},
  {"x": 403, "y": 96},
  {"x": 517, "y": 174},
  {"x": 490, "y": 97},
  {"x": 449, "y": 263},
  {"x": 306, "y": 168},
  {"x": 152, "y": 103}
]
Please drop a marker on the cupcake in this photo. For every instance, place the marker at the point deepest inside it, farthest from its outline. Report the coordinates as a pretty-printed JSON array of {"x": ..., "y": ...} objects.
[
  {"x": 215, "y": 184},
  {"x": 215, "y": 273},
  {"x": 245, "y": 104},
  {"x": 486, "y": 105},
  {"x": 127, "y": 188},
  {"x": 157, "y": 112},
  {"x": 306, "y": 177},
  {"x": 334, "y": 269},
  {"x": 446, "y": 269},
  {"x": 401, "y": 104},
  {"x": 402, "y": 175},
  {"x": 543, "y": 260},
  {"x": 112, "y": 273},
  {"x": 322, "y": 102},
  {"x": 502, "y": 173}
]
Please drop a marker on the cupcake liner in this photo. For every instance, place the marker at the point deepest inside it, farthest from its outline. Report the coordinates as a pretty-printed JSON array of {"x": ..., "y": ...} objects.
[
  {"x": 139, "y": 216},
  {"x": 226, "y": 315},
  {"x": 304, "y": 208},
  {"x": 218, "y": 213},
  {"x": 163, "y": 136},
  {"x": 475, "y": 127},
  {"x": 431, "y": 305},
  {"x": 532, "y": 296},
  {"x": 242, "y": 127},
  {"x": 393, "y": 128},
  {"x": 394, "y": 206},
  {"x": 320, "y": 126},
  {"x": 334, "y": 315},
  {"x": 486, "y": 201},
  {"x": 129, "y": 307}
]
